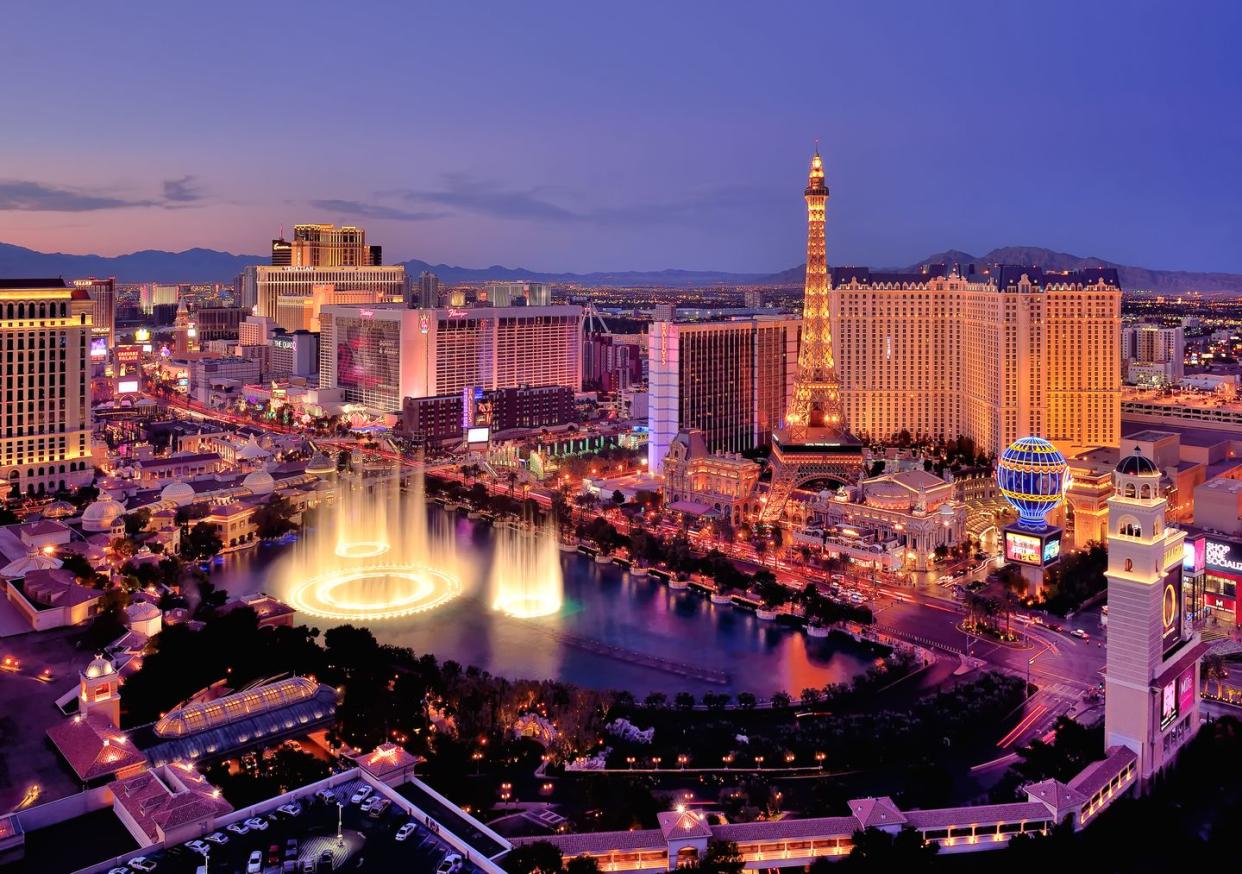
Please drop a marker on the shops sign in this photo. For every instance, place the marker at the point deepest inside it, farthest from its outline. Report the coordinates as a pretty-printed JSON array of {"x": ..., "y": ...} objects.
[{"x": 1220, "y": 557}]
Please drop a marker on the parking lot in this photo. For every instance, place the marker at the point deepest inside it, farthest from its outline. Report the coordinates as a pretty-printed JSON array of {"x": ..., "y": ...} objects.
[{"x": 308, "y": 842}]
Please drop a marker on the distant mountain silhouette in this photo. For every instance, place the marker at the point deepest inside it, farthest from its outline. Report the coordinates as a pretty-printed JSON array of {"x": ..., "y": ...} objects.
[
  {"x": 1132, "y": 278},
  {"x": 209, "y": 265},
  {"x": 151, "y": 265}
]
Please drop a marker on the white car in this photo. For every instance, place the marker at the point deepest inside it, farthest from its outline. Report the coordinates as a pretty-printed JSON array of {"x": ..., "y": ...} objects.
[
  {"x": 254, "y": 865},
  {"x": 369, "y": 803},
  {"x": 290, "y": 809},
  {"x": 405, "y": 831},
  {"x": 199, "y": 847},
  {"x": 217, "y": 838},
  {"x": 257, "y": 823},
  {"x": 142, "y": 863},
  {"x": 238, "y": 828},
  {"x": 327, "y": 796},
  {"x": 361, "y": 795},
  {"x": 450, "y": 864},
  {"x": 118, "y": 871},
  {"x": 1080, "y": 634}
]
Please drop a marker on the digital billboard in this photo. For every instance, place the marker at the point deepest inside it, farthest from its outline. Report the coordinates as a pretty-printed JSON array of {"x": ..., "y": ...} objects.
[
  {"x": 99, "y": 347},
  {"x": 1052, "y": 549},
  {"x": 1194, "y": 554},
  {"x": 1186, "y": 691},
  {"x": 368, "y": 356},
  {"x": 1022, "y": 548},
  {"x": 1168, "y": 704},
  {"x": 1221, "y": 555},
  {"x": 127, "y": 387},
  {"x": 1171, "y": 610},
  {"x": 478, "y": 435}
]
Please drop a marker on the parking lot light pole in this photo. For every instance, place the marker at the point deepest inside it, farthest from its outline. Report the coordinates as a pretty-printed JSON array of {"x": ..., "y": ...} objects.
[{"x": 340, "y": 816}]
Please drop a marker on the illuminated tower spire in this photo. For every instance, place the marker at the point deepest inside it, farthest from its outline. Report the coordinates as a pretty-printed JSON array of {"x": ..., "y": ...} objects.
[
  {"x": 817, "y": 398},
  {"x": 814, "y": 445}
]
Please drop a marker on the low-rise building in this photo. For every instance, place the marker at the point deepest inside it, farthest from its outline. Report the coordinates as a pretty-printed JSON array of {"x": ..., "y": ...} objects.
[{"x": 700, "y": 482}]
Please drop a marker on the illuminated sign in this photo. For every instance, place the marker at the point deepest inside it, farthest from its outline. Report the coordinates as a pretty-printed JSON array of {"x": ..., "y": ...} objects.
[
  {"x": 99, "y": 347},
  {"x": 1221, "y": 557},
  {"x": 282, "y": 343},
  {"x": 1052, "y": 549},
  {"x": 1168, "y": 704},
  {"x": 127, "y": 387},
  {"x": 1022, "y": 548},
  {"x": 424, "y": 322},
  {"x": 1186, "y": 691},
  {"x": 478, "y": 435},
  {"x": 1194, "y": 555},
  {"x": 128, "y": 354},
  {"x": 1171, "y": 610},
  {"x": 458, "y": 314},
  {"x": 367, "y": 314},
  {"x": 142, "y": 335}
]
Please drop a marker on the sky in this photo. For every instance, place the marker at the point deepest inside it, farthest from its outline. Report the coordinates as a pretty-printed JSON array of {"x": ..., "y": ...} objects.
[{"x": 612, "y": 136}]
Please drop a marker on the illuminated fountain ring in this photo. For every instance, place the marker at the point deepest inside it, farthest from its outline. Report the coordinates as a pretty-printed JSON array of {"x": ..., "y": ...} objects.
[
  {"x": 528, "y": 606},
  {"x": 429, "y": 589},
  {"x": 361, "y": 548}
]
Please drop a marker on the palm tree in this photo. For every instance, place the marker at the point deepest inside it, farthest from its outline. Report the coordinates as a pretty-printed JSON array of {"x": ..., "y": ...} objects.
[{"x": 1214, "y": 669}]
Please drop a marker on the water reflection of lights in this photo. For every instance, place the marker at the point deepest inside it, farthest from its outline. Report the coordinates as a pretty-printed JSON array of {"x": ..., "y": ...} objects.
[
  {"x": 361, "y": 548},
  {"x": 400, "y": 590}
]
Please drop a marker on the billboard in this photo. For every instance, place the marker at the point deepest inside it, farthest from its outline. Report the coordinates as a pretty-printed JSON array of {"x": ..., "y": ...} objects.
[
  {"x": 1023, "y": 548},
  {"x": 127, "y": 387},
  {"x": 1186, "y": 691},
  {"x": 1171, "y": 610},
  {"x": 1052, "y": 549},
  {"x": 368, "y": 356},
  {"x": 1168, "y": 704},
  {"x": 1194, "y": 555},
  {"x": 478, "y": 435},
  {"x": 99, "y": 348},
  {"x": 1222, "y": 555}
]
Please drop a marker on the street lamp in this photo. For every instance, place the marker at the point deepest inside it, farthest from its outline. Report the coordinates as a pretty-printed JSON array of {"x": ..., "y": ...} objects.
[
  {"x": 759, "y": 762},
  {"x": 819, "y": 757},
  {"x": 1029, "y": 663},
  {"x": 340, "y": 813}
]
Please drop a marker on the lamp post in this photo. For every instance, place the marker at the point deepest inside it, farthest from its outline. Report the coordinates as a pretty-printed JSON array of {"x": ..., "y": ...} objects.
[
  {"x": 340, "y": 815},
  {"x": 1029, "y": 663}
]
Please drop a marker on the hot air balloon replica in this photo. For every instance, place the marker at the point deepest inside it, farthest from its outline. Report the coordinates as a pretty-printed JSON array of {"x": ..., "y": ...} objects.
[{"x": 1033, "y": 476}]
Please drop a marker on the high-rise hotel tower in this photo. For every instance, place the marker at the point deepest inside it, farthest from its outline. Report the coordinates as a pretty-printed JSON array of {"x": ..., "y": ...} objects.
[
  {"x": 991, "y": 355},
  {"x": 45, "y": 333}
]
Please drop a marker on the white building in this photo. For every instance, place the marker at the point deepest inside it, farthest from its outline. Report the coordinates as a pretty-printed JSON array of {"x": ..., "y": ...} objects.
[
  {"x": 288, "y": 294},
  {"x": 505, "y": 294},
  {"x": 1153, "y": 355},
  {"x": 730, "y": 379}
]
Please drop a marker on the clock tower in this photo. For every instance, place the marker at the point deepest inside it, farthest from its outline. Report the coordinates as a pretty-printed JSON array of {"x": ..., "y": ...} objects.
[{"x": 1152, "y": 668}]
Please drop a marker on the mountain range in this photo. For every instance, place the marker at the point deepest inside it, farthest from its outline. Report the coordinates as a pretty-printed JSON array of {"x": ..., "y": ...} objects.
[{"x": 209, "y": 265}]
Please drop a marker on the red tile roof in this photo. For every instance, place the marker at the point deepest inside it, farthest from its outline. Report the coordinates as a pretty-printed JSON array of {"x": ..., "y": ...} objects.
[
  {"x": 93, "y": 748},
  {"x": 1095, "y": 777},
  {"x": 982, "y": 814}
]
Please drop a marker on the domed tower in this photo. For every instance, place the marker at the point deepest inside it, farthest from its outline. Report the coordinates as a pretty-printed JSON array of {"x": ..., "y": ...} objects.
[
  {"x": 99, "y": 691},
  {"x": 1152, "y": 669}
]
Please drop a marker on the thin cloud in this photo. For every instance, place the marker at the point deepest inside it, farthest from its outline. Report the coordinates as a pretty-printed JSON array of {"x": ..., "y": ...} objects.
[
  {"x": 181, "y": 190},
  {"x": 481, "y": 197},
  {"x": 375, "y": 210},
  {"x": 23, "y": 196}
]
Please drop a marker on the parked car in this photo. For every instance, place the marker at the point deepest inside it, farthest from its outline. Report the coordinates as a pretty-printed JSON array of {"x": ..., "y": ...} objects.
[
  {"x": 449, "y": 864},
  {"x": 361, "y": 795},
  {"x": 291, "y": 848},
  {"x": 273, "y": 854},
  {"x": 327, "y": 796},
  {"x": 257, "y": 823},
  {"x": 238, "y": 828},
  {"x": 293, "y": 808},
  {"x": 254, "y": 865},
  {"x": 142, "y": 863},
  {"x": 217, "y": 838},
  {"x": 199, "y": 847},
  {"x": 121, "y": 870},
  {"x": 406, "y": 830},
  {"x": 1080, "y": 634},
  {"x": 378, "y": 808}
]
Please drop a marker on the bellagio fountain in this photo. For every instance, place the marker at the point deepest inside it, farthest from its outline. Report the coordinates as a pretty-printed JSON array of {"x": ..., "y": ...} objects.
[{"x": 376, "y": 554}]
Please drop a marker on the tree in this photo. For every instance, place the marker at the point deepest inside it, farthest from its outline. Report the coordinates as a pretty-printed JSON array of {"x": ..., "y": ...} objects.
[
  {"x": 582, "y": 865},
  {"x": 656, "y": 700},
  {"x": 109, "y": 623},
  {"x": 684, "y": 700},
  {"x": 722, "y": 857},
  {"x": 618, "y": 498},
  {"x": 274, "y": 518},
  {"x": 201, "y": 542},
  {"x": 136, "y": 522},
  {"x": 543, "y": 857},
  {"x": 1215, "y": 671},
  {"x": 880, "y": 851},
  {"x": 746, "y": 700},
  {"x": 8, "y": 517},
  {"x": 781, "y": 699}
]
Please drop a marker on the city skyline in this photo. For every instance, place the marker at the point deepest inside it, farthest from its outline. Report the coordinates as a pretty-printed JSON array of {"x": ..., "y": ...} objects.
[{"x": 464, "y": 139}]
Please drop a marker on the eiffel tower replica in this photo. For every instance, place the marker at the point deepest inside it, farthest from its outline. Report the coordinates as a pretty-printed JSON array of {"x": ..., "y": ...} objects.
[{"x": 815, "y": 442}]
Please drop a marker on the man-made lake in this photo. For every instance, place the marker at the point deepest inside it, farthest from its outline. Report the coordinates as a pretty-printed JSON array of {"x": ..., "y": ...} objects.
[{"x": 606, "y": 609}]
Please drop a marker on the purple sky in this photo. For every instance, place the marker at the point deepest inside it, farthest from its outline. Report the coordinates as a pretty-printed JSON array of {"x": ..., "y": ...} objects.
[{"x": 600, "y": 136}]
